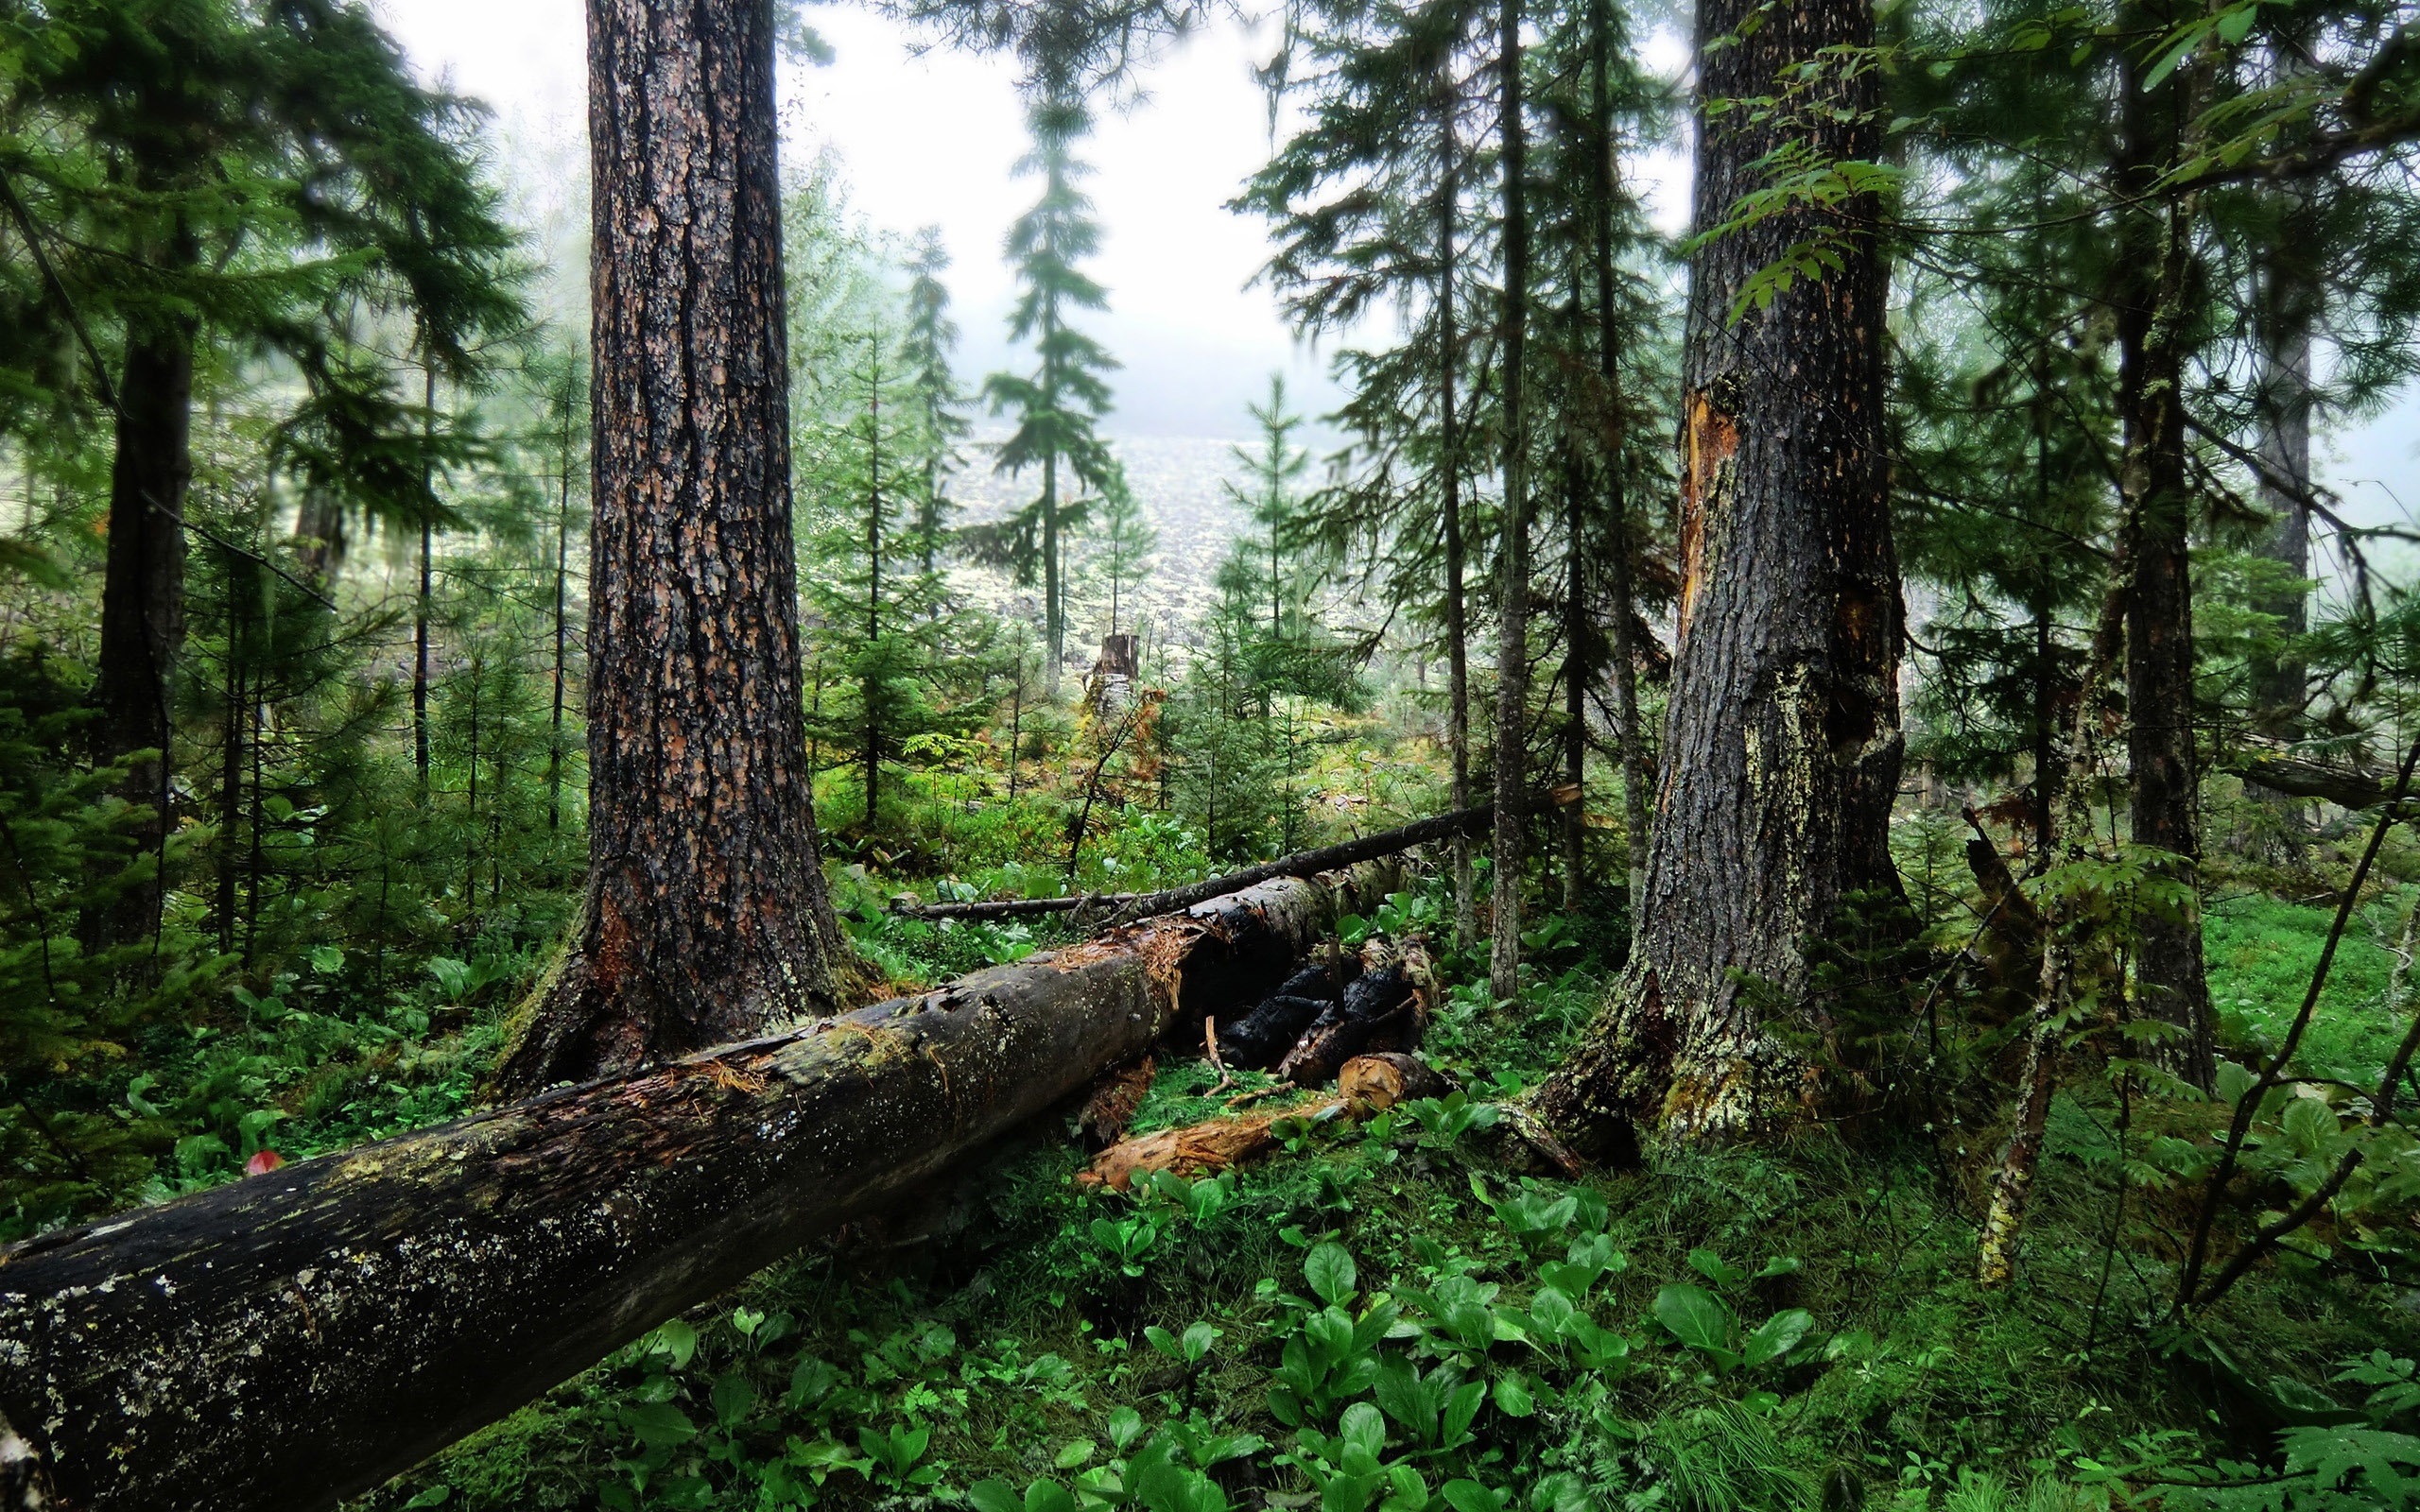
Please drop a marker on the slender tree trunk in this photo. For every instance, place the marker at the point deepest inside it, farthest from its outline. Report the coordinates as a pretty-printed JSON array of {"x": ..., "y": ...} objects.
[
  {"x": 231, "y": 762},
  {"x": 867, "y": 694},
  {"x": 1575, "y": 668},
  {"x": 706, "y": 917},
  {"x": 1624, "y": 608},
  {"x": 2155, "y": 268},
  {"x": 2288, "y": 309},
  {"x": 143, "y": 607},
  {"x": 1052, "y": 610},
  {"x": 420, "y": 603},
  {"x": 470, "y": 818},
  {"x": 1512, "y": 554},
  {"x": 555, "y": 716},
  {"x": 1449, "y": 464},
  {"x": 1782, "y": 745}
]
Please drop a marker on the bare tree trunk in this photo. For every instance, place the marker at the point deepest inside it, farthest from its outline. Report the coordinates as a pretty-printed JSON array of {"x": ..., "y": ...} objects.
[
  {"x": 1513, "y": 553},
  {"x": 2288, "y": 305},
  {"x": 1449, "y": 463},
  {"x": 706, "y": 917},
  {"x": 1624, "y": 608},
  {"x": 1782, "y": 742},
  {"x": 420, "y": 603},
  {"x": 1574, "y": 678},
  {"x": 2155, "y": 268},
  {"x": 143, "y": 607}
]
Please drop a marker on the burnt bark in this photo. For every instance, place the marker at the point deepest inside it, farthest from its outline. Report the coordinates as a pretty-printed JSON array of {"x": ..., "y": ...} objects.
[
  {"x": 1380, "y": 1000},
  {"x": 2155, "y": 270},
  {"x": 706, "y": 917},
  {"x": 293, "y": 1338},
  {"x": 1782, "y": 744},
  {"x": 1512, "y": 550},
  {"x": 1260, "y": 1039},
  {"x": 143, "y": 607}
]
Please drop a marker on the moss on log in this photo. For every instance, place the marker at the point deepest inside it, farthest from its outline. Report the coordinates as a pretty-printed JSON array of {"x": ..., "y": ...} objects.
[{"x": 293, "y": 1338}]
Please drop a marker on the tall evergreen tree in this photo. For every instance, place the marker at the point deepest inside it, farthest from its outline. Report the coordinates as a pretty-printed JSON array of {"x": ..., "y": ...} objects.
[
  {"x": 1056, "y": 404},
  {"x": 706, "y": 916},
  {"x": 1780, "y": 753},
  {"x": 926, "y": 347},
  {"x": 203, "y": 175}
]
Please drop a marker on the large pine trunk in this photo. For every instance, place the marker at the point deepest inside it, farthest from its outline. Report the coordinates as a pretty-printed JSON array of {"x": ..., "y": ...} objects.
[
  {"x": 143, "y": 602},
  {"x": 293, "y": 1338},
  {"x": 706, "y": 917},
  {"x": 1512, "y": 551},
  {"x": 2154, "y": 274},
  {"x": 299, "y": 1336},
  {"x": 1781, "y": 751}
]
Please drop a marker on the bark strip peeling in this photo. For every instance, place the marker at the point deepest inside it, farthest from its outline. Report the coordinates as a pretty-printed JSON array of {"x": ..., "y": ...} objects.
[{"x": 288, "y": 1340}]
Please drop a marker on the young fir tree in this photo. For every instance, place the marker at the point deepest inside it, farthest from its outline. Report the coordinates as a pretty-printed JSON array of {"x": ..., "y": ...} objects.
[
  {"x": 925, "y": 346},
  {"x": 1056, "y": 404},
  {"x": 1367, "y": 204},
  {"x": 1124, "y": 544},
  {"x": 1271, "y": 497}
]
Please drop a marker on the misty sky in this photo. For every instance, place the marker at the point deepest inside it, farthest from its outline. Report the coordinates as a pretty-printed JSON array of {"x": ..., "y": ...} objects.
[{"x": 933, "y": 140}]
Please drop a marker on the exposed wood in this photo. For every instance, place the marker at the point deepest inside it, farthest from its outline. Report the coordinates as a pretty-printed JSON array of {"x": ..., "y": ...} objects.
[
  {"x": 1367, "y": 1084},
  {"x": 1375, "y": 1082},
  {"x": 298, "y": 1336},
  {"x": 1781, "y": 751},
  {"x": 1115, "y": 1096}
]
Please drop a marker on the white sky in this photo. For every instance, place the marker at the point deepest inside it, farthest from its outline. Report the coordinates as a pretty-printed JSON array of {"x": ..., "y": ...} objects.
[{"x": 933, "y": 139}]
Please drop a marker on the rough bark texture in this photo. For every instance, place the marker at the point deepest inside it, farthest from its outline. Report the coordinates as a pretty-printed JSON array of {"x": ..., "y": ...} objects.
[
  {"x": 1512, "y": 551},
  {"x": 1781, "y": 751},
  {"x": 1261, "y": 1038},
  {"x": 293, "y": 1338},
  {"x": 706, "y": 918},
  {"x": 142, "y": 600},
  {"x": 2150, "y": 313}
]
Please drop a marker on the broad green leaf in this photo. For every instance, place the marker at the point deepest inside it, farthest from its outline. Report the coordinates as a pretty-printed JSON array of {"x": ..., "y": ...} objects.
[
  {"x": 679, "y": 1340},
  {"x": 1694, "y": 1315},
  {"x": 994, "y": 1496},
  {"x": 659, "y": 1422},
  {"x": 1511, "y": 1396},
  {"x": 1072, "y": 1454},
  {"x": 1331, "y": 1273},
  {"x": 1778, "y": 1334},
  {"x": 734, "y": 1399}
]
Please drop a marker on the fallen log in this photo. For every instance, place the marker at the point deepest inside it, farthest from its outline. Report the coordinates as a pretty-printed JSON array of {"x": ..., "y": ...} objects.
[
  {"x": 1131, "y": 906},
  {"x": 292, "y": 1339},
  {"x": 2277, "y": 766}
]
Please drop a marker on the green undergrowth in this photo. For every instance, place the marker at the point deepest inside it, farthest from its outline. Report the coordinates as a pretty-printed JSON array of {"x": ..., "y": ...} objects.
[{"x": 1408, "y": 1315}]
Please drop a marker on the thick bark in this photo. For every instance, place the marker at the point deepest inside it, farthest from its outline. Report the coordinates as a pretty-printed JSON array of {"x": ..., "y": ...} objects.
[
  {"x": 143, "y": 602},
  {"x": 1782, "y": 745},
  {"x": 2287, "y": 309},
  {"x": 2156, "y": 241},
  {"x": 290, "y": 1339},
  {"x": 1512, "y": 551},
  {"x": 1260, "y": 1039},
  {"x": 706, "y": 918}
]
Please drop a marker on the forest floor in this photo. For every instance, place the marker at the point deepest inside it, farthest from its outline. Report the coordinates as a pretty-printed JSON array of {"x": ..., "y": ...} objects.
[{"x": 1404, "y": 1314}]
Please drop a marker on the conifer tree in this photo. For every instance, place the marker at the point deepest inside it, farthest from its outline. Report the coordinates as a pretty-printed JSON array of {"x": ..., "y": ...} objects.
[
  {"x": 273, "y": 174},
  {"x": 705, "y": 919},
  {"x": 1056, "y": 404},
  {"x": 926, "y": 347},
  {"x": 1124, "y": 544}
]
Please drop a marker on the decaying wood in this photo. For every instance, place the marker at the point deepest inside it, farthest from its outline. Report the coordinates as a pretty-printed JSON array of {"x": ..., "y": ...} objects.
[
  {"x": 2276, "y": 765},
  {"x": 1369, "y": 1084},
  {"x": 1260, "y": 1039},
  {"x": 1373, "y": 1083},
  {"x": 1382, "y": 999},
  {"x": 293, "y": 1338},
  {"x": 1115, "y": 1096}
]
